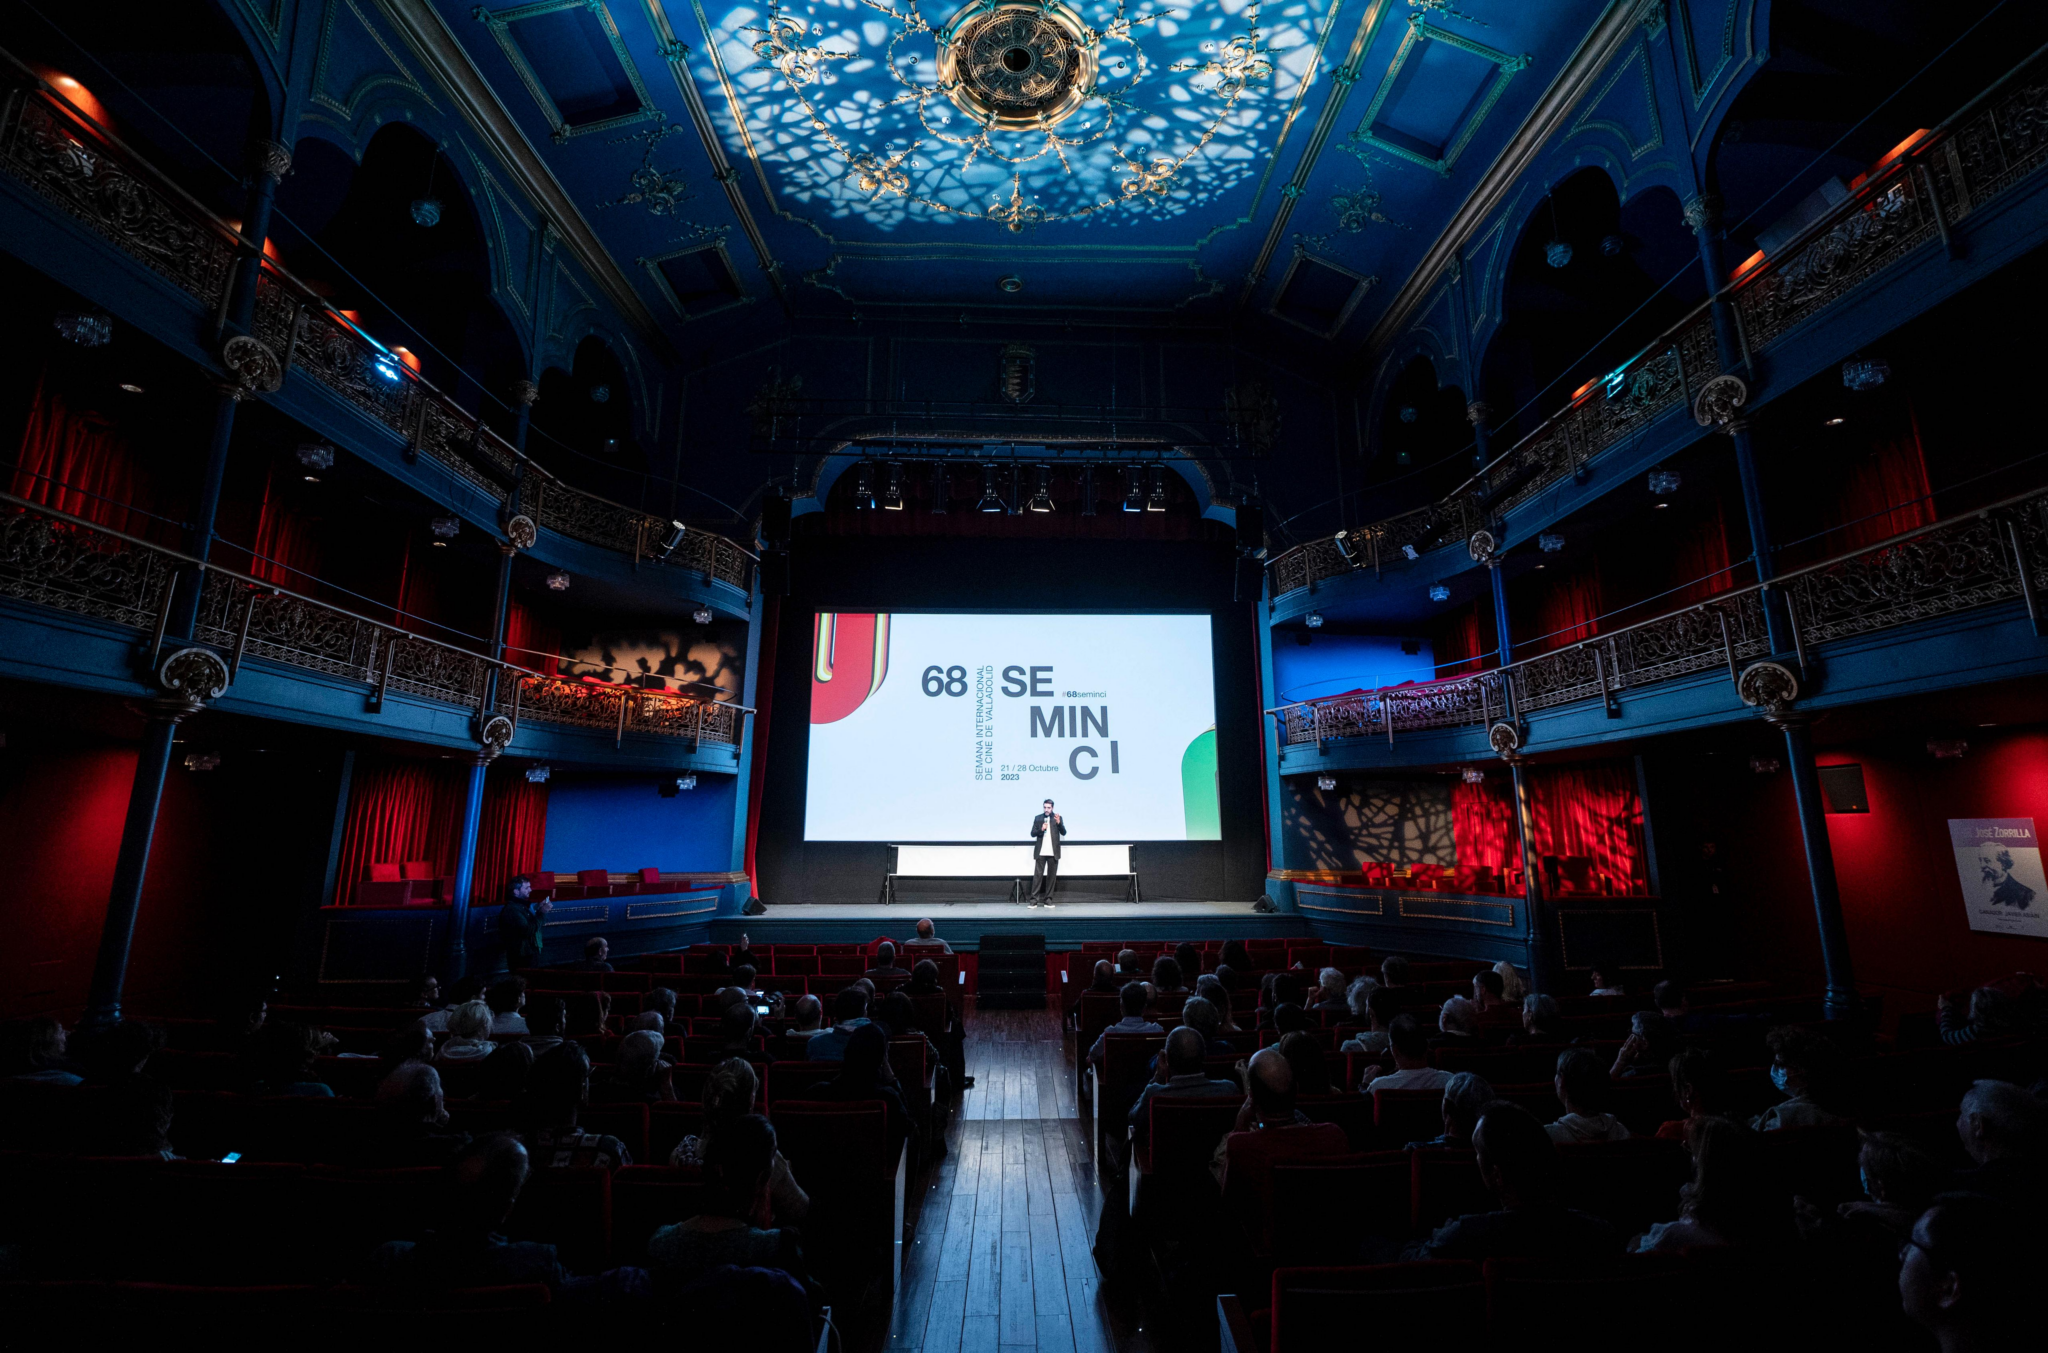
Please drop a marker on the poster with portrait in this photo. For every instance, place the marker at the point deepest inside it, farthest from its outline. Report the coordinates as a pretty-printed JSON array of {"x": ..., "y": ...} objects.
[{"x": 1998, "y": 860}]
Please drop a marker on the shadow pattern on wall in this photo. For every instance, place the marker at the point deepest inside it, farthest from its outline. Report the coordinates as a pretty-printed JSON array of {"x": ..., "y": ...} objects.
[{"x": 1403, "y": 821}]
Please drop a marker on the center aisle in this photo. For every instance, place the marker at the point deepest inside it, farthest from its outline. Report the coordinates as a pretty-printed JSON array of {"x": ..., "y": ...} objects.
[{"x": 1000, "y": 1258}]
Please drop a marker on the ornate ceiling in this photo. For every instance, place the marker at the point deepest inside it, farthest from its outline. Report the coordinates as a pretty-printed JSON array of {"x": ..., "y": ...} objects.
[{"x": 1110, "y": 160}]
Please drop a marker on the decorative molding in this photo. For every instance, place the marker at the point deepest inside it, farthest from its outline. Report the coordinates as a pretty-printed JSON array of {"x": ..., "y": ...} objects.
[
  {"x": 500, "y": 23},
  {"x": 1370, "y": 904},
  {"x": 1423, "y": 907},
  {"x": 429, "y": 37},
  {"x": 645, "y": 911},
  {"x": 346, "y": 104},
  {"x": 1638, "y": 61},
  {"x": 653, "y": 265},
  {"x": 1420, "y": 30},
  {"x": 560, "y": 916},
  {"x": 1704, "y": 82},
  {"x": 1362, "y": 286},
  {"x": 1616, "y": 28}
]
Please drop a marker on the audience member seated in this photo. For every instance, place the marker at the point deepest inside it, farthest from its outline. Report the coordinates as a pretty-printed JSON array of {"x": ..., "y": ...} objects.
[
  {"x": 1393, "y": 971},
  {"x": 466, "y": 1250},
  {"x": 924, "y": 979},
  {"x": 1700, "y": 1086},
  {"x": 1674, "y": 1003},
  {"x": 743, "y": 991},
  {"x": 1304, "y": 1054},
  {"x": 1189, "y": 957},
  {"x": 660, "y": 1001},
  {"x": 849, "y": 1016},
  {"x": 556, "y": 1090},
  {"x": 927, "y": 941},
  {"x": 1512, "y": 986},
  {"x": 426, "y": 994},
  {"x": 1329, "y": 993},
  {"x": 1181, "y": 1075},
  {"x": 469, "y": 1035},
  {"x": 1899, "y": 1183},
  {"x": 1647, "y": 1051},
  {"x": 1270, "y": 1131},
  {"x": 743, "y": 956},
  {"x": 1236, "y": 955},
  {"x": 1582, "y": 1088},
  {"x": 806, "y": 1021},
  {"x": 1287, "y": 1018},
  {"x": 736, "y": 1030},
  {"x": 885, "y": 962},
  {"x": 1518, "y": 1163},
  {"x": 502, "y": 1077},
  {"x": 1457, "y": 1025},
  {"x": 410, "y": 1044},
  {"x": 1967, "y": 1272},
  {"x": 729, "y": 1094},
  {"x": 1991, "y": 1015},
  {"x": 1104, "y": 978},
  {"x": 546, "y": 1018},
  {"x": 640, "y": 1074},
  {"x": 1489, "y": 993},
  {"x": 865, "y": 1074},
  {"x": 1409, "y": 1049},
  {"x": 597, "y": 952},
  {"x": 739, "y": 1168},
  {"x": 1282, "y": 989},
  {"x": 1168, "y": 987},
  {"x": 1127, "y": 964},
  {"x": 1133, "y": 1022},
  {"x": 1466, "y": 1094},
  {"x": 506, "y": 997},
  {"x": 238, "y": 1016},
  {"x": 1201, "y": 1015},
  {"x": 950, "y": 1042},
  {"x": 1606, "y": 979},
  {"x": 1732, "y": 1199},
  {"x": 281, "y": 1056},
  {"x": 1230, "y": 978},
  {"x": 1210, "y": 988},
  {"x": 461, "y": 993},
  {"x": 1803, "y": 1067},
  {"x": 1376, "y": 1007},
  {"x": 898, "y": 1017},
  {"x": 131, "y": 1114},
  {"x": 1540, "y": 1022},
  {"x": 36, "y": 1052},
  {"x": 2004, "y": 1131},
  {"x": 412, "y": 1121}
]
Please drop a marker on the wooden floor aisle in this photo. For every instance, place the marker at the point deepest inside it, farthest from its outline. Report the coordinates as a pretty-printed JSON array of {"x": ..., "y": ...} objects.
[{"x": 999, "y": 1260}]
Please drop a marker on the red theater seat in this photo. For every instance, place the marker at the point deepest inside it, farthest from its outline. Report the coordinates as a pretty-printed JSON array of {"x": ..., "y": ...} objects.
[
  {"x": 594, "y": 882},
  {"x": 1317, "y": 1309},
  {"x": 646, "y": 1198},
  {"x": 651, "y": 882}
]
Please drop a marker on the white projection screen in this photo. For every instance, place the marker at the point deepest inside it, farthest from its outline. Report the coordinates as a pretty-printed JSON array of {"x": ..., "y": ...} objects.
[{"x": 951, "y": 727}]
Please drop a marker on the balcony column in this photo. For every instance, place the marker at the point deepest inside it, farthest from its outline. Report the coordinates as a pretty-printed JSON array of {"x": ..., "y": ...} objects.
[
  {"x": 1477, "y": 413},
  {"x": 1508, "y": 743},
  {"x": 1717, "y": 404}
]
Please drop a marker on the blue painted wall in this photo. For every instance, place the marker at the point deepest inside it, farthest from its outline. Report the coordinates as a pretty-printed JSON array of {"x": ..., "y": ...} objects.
[
  {"x": 1334, "y": 663},
  {"x": 624, "y": 825}
]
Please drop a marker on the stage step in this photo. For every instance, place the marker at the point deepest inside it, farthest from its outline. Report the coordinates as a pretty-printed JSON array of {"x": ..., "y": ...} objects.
[{"x": 1012, "y": 975}]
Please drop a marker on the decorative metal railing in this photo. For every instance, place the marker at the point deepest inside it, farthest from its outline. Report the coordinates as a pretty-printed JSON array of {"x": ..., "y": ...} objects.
[
  {"x": 63, "y": 562},
  {"x": 80, "y": 169},
  {"x": 1997, "y": 554},
  {"x": 1983, "y": 151}
]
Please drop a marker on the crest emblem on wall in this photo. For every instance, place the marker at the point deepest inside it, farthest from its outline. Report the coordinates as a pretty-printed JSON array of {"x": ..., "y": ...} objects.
[{"x": 1017, "y": 374}]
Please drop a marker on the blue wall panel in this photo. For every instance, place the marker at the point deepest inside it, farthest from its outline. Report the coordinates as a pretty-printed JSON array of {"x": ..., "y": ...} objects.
[
  {"x": 624, "y": 825},
  {"x": 1331, "y": 664}
]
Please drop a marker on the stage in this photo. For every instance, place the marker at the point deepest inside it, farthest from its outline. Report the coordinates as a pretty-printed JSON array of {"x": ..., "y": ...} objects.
[{"x": 1065, "y": 925}]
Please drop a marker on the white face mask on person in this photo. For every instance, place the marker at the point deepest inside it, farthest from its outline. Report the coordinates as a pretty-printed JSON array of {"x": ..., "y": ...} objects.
[{"x": 1779, "y": 1076}]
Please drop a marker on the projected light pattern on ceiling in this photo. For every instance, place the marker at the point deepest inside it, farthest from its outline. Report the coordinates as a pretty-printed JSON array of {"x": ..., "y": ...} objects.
[{"x": 1017, "y": 113}]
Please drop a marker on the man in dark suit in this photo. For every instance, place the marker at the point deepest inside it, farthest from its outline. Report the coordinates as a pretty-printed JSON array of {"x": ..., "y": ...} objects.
[
  {"x": 519, "y": 924},
  {"x": 1046, "y": 830}
]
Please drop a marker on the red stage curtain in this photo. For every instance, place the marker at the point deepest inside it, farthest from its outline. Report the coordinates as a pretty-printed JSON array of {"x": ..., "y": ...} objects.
[
  {"x": 1699, "y": 563},
  {"x": 530, "y": 643},
  {"x": 1457, "y": 642},
  {"x": 78, "y": 462},
  {"x": 1483, "y": 825},
  {"x": 510, "y": 836},
  {"x": 1591, "y": 811},
  {"x": 419, "y": 595},
  {"x": 1567, "y": 608},
  {"x": 1885, "y": 490},
  {"x": 398, "y": 811},
  {"x": 286, "y": 552}
]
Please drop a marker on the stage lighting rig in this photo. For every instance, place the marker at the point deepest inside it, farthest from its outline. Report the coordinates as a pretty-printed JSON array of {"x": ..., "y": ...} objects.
[
  {"x": 1155, "y": 501},
  {"x": 1041, "y": 495},
  {"x": 671, "y": 542},
  {"x": 990, "y": 501},
  {"x": 892, "y": 487},
  {"x": 1134, "y": 488},
  {"x": 864, "y": 485},
  {"x": 675, "y": 784},
  {"x": 702, "y": 615},
  {"x": 939, "y": 488}
]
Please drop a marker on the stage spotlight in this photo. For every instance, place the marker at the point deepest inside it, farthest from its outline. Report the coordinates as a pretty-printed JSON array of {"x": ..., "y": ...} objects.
[
  {"x": 86, "y": 328},
  {"x": 387, "y": 367},
  {"x": 558, "y": 581},
  {"x": 1865, "y": 373},
  {"x": 1664, "y": 482},
  {"x": 1155, "y": 501},
  {"x": 702, "y": 615},
  {"x": 1041, "y": 491},
  {"x": 1439, "y": 592},
  {"x": 1472, "y": 775},
  {"x": 990, "y": 502},
  {"x": 315, "y": 457},
  {"x": 671, "y": 542},
  {"x": 939, "y": 490},
  {"x": 445, "y": 529},
  {"x": 600, "y": 394},
  {"x": 426, "y": 212},
  {"x": 1409, "y": 552},
  {"x": 675, "y": 785},
  {"x": 202, "y": 760},
  {"x": 892, "y": 488},
  {"x": 1346, "y": 547},
  {"x": 1134, "y": 491},
  {"x": 864, "y": 485},
  {"x": 1315, "y": 620},
  {"x": 1550, "y": 542},
  {"x": 1326, "y": 783},
  {"x": 538, "y": 775}
]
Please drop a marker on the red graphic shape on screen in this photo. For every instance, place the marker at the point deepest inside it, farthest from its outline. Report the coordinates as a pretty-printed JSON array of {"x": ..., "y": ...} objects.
[{"x": 849, "y": 662}]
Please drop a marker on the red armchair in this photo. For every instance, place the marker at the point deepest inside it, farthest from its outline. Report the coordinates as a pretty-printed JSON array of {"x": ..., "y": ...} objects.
[
  {"x": 594, "y": 882},
  {"x": 650, "y": 881}
]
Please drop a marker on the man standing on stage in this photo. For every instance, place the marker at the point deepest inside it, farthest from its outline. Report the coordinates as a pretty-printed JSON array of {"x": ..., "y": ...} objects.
[{"x": 1046, "y": 829}]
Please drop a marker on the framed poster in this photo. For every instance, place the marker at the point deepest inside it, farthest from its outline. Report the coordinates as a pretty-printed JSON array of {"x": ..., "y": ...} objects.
[{"x": 1998, "y": 860}]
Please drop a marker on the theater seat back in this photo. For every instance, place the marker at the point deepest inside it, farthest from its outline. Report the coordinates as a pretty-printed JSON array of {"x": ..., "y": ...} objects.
[{"x": 1318, "y": 1309}]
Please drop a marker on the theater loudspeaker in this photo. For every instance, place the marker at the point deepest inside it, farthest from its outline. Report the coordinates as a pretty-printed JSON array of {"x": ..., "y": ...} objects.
[
  {"x": 775, "y": 520},
  {"x": 1251, "y": 530},
  {"x": 775, "y": 573}
]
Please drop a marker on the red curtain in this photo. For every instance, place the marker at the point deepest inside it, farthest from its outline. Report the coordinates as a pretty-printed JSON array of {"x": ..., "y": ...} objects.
[
  {"x": 286, "y": 552},
  {"x": 1458, "y": 643},
  {"x": 398, "y": 811},
  {"x": 78, "y": 462},
  {"x": 419, "y": 595},
  {"x": 509, "y": 839},
  {"x": 1584, "y": 811},
  {"x": 529, "y": 642},
  {"x": 1483, "y": 825},
  {"x": 1886, "y": 490},
  {"x": 1699, "y": 563},
  {"x": 1569, "y": 606}
]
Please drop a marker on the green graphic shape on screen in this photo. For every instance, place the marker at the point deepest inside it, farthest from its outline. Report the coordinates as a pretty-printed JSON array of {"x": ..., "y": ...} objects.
[{"x": 1198, "y": 792}]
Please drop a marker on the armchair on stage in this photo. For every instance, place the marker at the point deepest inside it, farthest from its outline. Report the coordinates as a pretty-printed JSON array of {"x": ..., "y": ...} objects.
[{"x": 1011, "y": 862}]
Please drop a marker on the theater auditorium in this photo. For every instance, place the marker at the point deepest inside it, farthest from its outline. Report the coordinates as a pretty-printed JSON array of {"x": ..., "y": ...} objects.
[{"x": 974, "y": 676}]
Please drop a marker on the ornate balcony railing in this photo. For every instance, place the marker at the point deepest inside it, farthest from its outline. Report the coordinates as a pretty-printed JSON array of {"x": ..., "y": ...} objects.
[
  {"x": 81, "y": 170},
  {"x": 63, "y": 562},
  {"x": 1917, "y": 198},
  {"x": 1997, "y": 554}
]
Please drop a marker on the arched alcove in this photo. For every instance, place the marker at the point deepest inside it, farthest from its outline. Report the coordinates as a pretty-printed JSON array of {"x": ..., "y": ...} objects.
[{"x": 583, "y": 424}]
